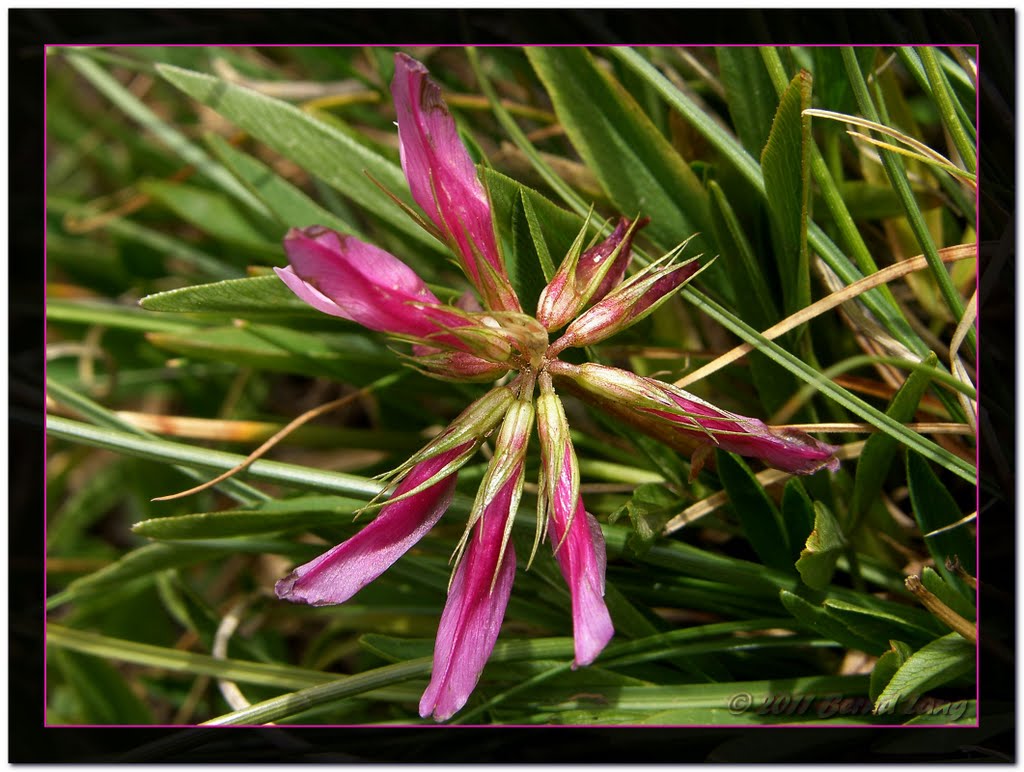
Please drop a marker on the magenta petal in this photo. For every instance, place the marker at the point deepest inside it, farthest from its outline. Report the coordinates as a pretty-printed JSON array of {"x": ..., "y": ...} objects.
[
  {"x": 790, "y": 450},
  {"x": 472, "y": 616},
  {"x": 344, "y": 276},
  {"x": 581, "y": 557},
  {"x": 440, "y": 172},
  {"x": 341, "y": 572}
]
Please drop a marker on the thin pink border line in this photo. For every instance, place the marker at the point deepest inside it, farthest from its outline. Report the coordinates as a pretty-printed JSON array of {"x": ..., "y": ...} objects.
[{"x": 977, "y": 223}]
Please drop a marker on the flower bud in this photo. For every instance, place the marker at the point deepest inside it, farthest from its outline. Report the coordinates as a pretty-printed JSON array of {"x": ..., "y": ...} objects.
[
  {"x": 585, "y": 278},
  {"x": 627, "y": 304}
]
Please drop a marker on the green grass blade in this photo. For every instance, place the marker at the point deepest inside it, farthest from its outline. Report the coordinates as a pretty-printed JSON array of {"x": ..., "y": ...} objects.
[
  {"x": 311, "y": 143},
  {"x": 137, "y": 111}
]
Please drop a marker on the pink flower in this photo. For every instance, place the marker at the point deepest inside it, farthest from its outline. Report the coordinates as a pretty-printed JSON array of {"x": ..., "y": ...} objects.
[
  {"x": 476, "y": 605},
  {"x": 685, "y": 421},
  {"x": 575, "y": 536},
  {"x": 578, "y": 543},
  {"x": 443, "y": 181},
  {"x": 343, "y": 276},
  {"x": 340, "y": 573}
]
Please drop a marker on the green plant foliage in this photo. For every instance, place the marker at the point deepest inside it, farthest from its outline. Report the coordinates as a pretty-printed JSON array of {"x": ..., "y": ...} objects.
[
  {"x": 175, "y": 352},
  {"x": 823, "y": 548}
]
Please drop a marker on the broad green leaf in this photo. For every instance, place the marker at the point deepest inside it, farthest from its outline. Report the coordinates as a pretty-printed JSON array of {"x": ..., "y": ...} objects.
[
  {"x": 750, "y": 94},
  {"x": 797, "y": 515},
  {"x": 287, "y": 204},
  {"x": 638, "y": 168},
  {"x": 316, "y": 146},
  {"x": 887, "y": 665},
  {"x": 526, "y": 270},
  {"x": 100, "y": 690},
  {"x": 882, "y": 626},
  {"x": 306, "y": 512},
  {"x": 958, "y": 712},
  {"x": 879, "y": 450},
  {"x": 243, "y": 298},
  {"x": 215, "y": 214},
  {"x": 941, "y": 661},
  {"x": 824, "y": 545},
  {"x": 819, "y": 619},
  {"x": 737, "y": 256},
  {"x": 540, "y": 242},
  {"x": 525, "y": 218},
  {"x": 785, "y": 162},
  {"x": 934, "y": 508},
  {"x": 758, "y": 515},
  {"x": 349, "y": 357}
]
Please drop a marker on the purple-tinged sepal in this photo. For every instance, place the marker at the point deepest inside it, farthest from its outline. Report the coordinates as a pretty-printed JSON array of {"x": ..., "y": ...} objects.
[
  {"x": 464, "y": 433},
  {"x": 586, "y": 278},
  {"x": 575, "y": 535},
  {"x": 629, "y": 302}
]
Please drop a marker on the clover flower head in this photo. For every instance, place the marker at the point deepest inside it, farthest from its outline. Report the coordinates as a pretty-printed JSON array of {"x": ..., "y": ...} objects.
[{"x": 483, "y": 341}]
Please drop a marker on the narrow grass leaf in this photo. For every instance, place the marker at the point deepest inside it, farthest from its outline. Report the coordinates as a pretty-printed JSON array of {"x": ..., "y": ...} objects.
[
  {"x": 935, "y": 507},
  {"x": 286, "y": 202},
  {"x": 758, "y": 515},
  {"x": 143, "y": 561},
  {"x": 349, "y": 357},
  {"x": 113, "y": 315},
  {"x": 203, "y": 458},
  {"x": 785, "y": 163},
  {"x": 175, "y": 660},
  {"x": 880, "y": 449},
  {"x": 147, "y": 119},
  {"x": 216, "y": 215},
  {"x": 305, "y": 512}
]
